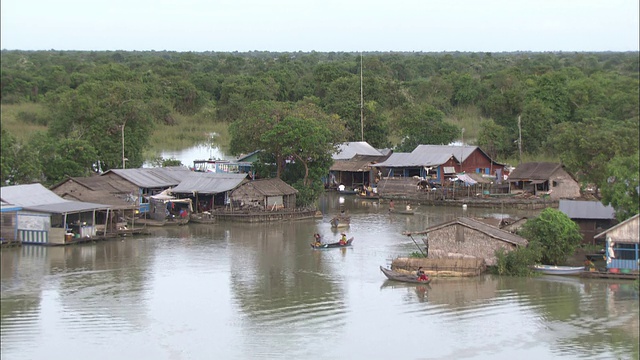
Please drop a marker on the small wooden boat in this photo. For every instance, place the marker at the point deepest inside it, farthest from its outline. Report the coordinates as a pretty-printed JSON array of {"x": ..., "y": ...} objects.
[
  {"x": 393, "y": 275},
  {"x": 402, "y": 211},
  {"x": 558, "y": 270},
  {"x": 348, "y": 192},
  {"x": 333, "y": 245},
  {"x": 371, "y": 196},
  {"x": 340, "y": 221}
]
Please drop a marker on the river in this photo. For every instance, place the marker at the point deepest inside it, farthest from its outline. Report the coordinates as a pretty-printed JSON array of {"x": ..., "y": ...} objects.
[{"x": 258, "y": 291}]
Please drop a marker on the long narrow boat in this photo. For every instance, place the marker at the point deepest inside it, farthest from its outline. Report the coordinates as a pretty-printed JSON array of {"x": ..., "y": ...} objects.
[
  {"x": 401, "y": 211},
  {"x": 333, "y": 245},
  {"x": 393, "y": 275},
  {"x": 558, "y": 270}
]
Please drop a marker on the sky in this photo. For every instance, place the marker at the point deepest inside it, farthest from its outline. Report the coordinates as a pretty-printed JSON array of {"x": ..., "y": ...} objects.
[{"x": 321, "y": 25}]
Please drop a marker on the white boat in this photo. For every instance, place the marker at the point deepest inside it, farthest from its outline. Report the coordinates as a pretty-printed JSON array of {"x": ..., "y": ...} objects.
[{"x": 558, "y": 270}]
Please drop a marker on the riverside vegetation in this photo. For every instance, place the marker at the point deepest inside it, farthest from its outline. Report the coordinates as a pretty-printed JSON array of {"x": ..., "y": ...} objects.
[{"x": 64, "y": 112}]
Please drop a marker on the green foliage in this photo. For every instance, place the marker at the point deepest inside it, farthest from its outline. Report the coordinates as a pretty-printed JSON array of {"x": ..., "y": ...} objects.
[
  {"x": 424, "y": 126},
  {"x": 517, "y": 262},
  {"x": 620, "y": 189},
  {"x": 162, "y": 162},
  {"x": 554, "y": 233},
  {"x": 417, "y": 255},
  {"x": 586, "y": 148}
]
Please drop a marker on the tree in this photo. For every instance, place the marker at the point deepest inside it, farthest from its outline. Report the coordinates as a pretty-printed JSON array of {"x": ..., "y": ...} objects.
[
  {"x": 20, "y": 163},
  {"x": 587, "y": 147},
  {"x": 424, "y": 125},
  {"x": 100, "y": 113},
  {"x": 495, "y": 140},
  {"x": 556, "y": 235},
  {"x": 620, "y": 190},
  {"x": 301, "y": 133},
  {"x": 63, "y": 157}
]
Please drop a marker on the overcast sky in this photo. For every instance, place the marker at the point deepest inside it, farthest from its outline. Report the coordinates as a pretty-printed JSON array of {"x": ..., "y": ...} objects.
[{"x": 324, "y": 25}]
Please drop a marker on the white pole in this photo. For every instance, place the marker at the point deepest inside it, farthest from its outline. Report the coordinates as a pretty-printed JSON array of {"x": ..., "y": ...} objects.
[
  {"x": 123, "y": 145},
  {"x": 361, "y": 102}
]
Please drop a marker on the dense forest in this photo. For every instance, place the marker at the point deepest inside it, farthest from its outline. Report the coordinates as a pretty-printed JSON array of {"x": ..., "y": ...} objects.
[{"x": 578, "y": 108}]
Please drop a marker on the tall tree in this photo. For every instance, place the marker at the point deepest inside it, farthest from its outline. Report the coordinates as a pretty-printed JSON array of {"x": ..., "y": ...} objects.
[
  {"x": 622, "y": 186},
  {"x": 424, "y": 125}
]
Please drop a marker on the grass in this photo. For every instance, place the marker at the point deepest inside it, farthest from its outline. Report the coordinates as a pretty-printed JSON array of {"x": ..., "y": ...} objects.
[
  {"x": 23, "y": 120},
  {"x": 468, "y": 118}
]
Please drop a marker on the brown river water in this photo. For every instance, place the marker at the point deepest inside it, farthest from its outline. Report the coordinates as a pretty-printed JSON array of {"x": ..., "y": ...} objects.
[{"x": 258, "y": 291}]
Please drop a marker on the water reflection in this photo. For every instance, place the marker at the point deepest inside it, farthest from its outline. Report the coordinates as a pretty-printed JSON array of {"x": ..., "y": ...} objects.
[{"x": 258, "y": 291}]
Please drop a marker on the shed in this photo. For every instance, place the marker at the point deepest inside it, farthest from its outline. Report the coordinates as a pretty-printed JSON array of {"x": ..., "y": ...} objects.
[
  {"x": 148, "y": 181},
  {"x": 265, "y": 195},
  {"x": 46, "y": 218},
  {"x": 208, "y": 190},
  {"x": 467, "y": 237},
  {"x": 623, "y": 244},
  {"x": 591, "y": 216},
  {"x": 355, "y": 172},
  {"x": 8, "y": 222},
  {"x": 544, "y": 178}
]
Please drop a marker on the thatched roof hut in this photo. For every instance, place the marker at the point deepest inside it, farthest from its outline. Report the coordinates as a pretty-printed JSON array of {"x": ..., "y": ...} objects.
[
  {"x": 264, "y": 194},
  {"x": 467, "y": 237}
]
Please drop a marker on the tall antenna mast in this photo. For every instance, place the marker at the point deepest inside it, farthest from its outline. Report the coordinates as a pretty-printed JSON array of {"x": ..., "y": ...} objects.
[{"x": 361, "y": 102}]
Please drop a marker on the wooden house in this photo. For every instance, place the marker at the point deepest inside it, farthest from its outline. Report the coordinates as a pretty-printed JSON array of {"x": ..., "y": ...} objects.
[
  {"x": 264, "y": 195},
  {"x": 544, "y": 178},
  {"x": 353, "y": 165},
  {"x": 208, "y": 190},
  {"x": 622, "y": 242},
  {"x": 47, "y": 219},
  {"x": 8, "y": 223},
  {"x": 591, "y": 216},
  {"x": 147, "y": 181},
  {"x": 440, "y": 163},
  {"x": 468, "y": 238}
]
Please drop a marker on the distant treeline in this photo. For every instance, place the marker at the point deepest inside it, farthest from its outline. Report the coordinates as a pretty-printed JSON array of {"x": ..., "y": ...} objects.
[{"x": 409, "y": 97}]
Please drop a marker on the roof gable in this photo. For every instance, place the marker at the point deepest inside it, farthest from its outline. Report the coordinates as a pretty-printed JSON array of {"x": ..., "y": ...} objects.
[
  {"x": 350, "y": 149},
  {"x": 29, "y": 195},
  {"x": 269, "y": 187},
  {"x": 484, "y": 228},
  {"x": 209, "y": 183},
  {"x": 157, "y": 177},
  {"x": 415, "y": 159},
  {"x": 534, "y": 171}
]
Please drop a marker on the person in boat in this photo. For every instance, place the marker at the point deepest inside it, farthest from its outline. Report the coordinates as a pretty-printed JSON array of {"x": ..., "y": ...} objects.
[
  {"x": 343, "y": 239},
  {"x": 318, "y": 240},
  {"x": 391, "y": 206},
  {"x": 421, "y": 275}
]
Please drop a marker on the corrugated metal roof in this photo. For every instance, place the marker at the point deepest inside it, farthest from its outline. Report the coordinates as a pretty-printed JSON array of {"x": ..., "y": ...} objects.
[
  {"x": 158, "y": 177},
  {"x": 67, "y": 207},
  {"x": 36, "y": 197},
  {"x": 415, "y": 159},
  {"x": 29, "y": 195},
  {"x": 209, "y": 183},
  {"x": 487, "y": 229},
  {"x": 534, "y": 171},
  {"x": 576, "y": 209},
  {"x": 269, "y": 187},
  {"x": 350, "y": 149},
  {"x": 456, "y": 150}
]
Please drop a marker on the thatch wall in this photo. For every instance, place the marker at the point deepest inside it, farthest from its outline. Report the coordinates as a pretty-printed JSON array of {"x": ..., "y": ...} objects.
[
  {"x": 458, "y": 239},
  {"x": 441, "y": 267},
  {"x": 398, "y": 186}
]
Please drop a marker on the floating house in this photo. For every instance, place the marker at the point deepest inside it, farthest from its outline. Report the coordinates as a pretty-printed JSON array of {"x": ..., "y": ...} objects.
[
  {"x": 622, "y": 242},
  {"x": 264, "y": 195},
  {"x": 441, "y": 163},
  {"x": 47, "y": 219},
  {"x": 468, "y": 238},
  {"x": 144, "y": 182},
  {"x": 354, "y": 165},
  {"x": 208, "y": 190},
  {"x": 544, "y": 179},
  {"x": 8, "y": 222},
  {"x": 591, "y": 216}
]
